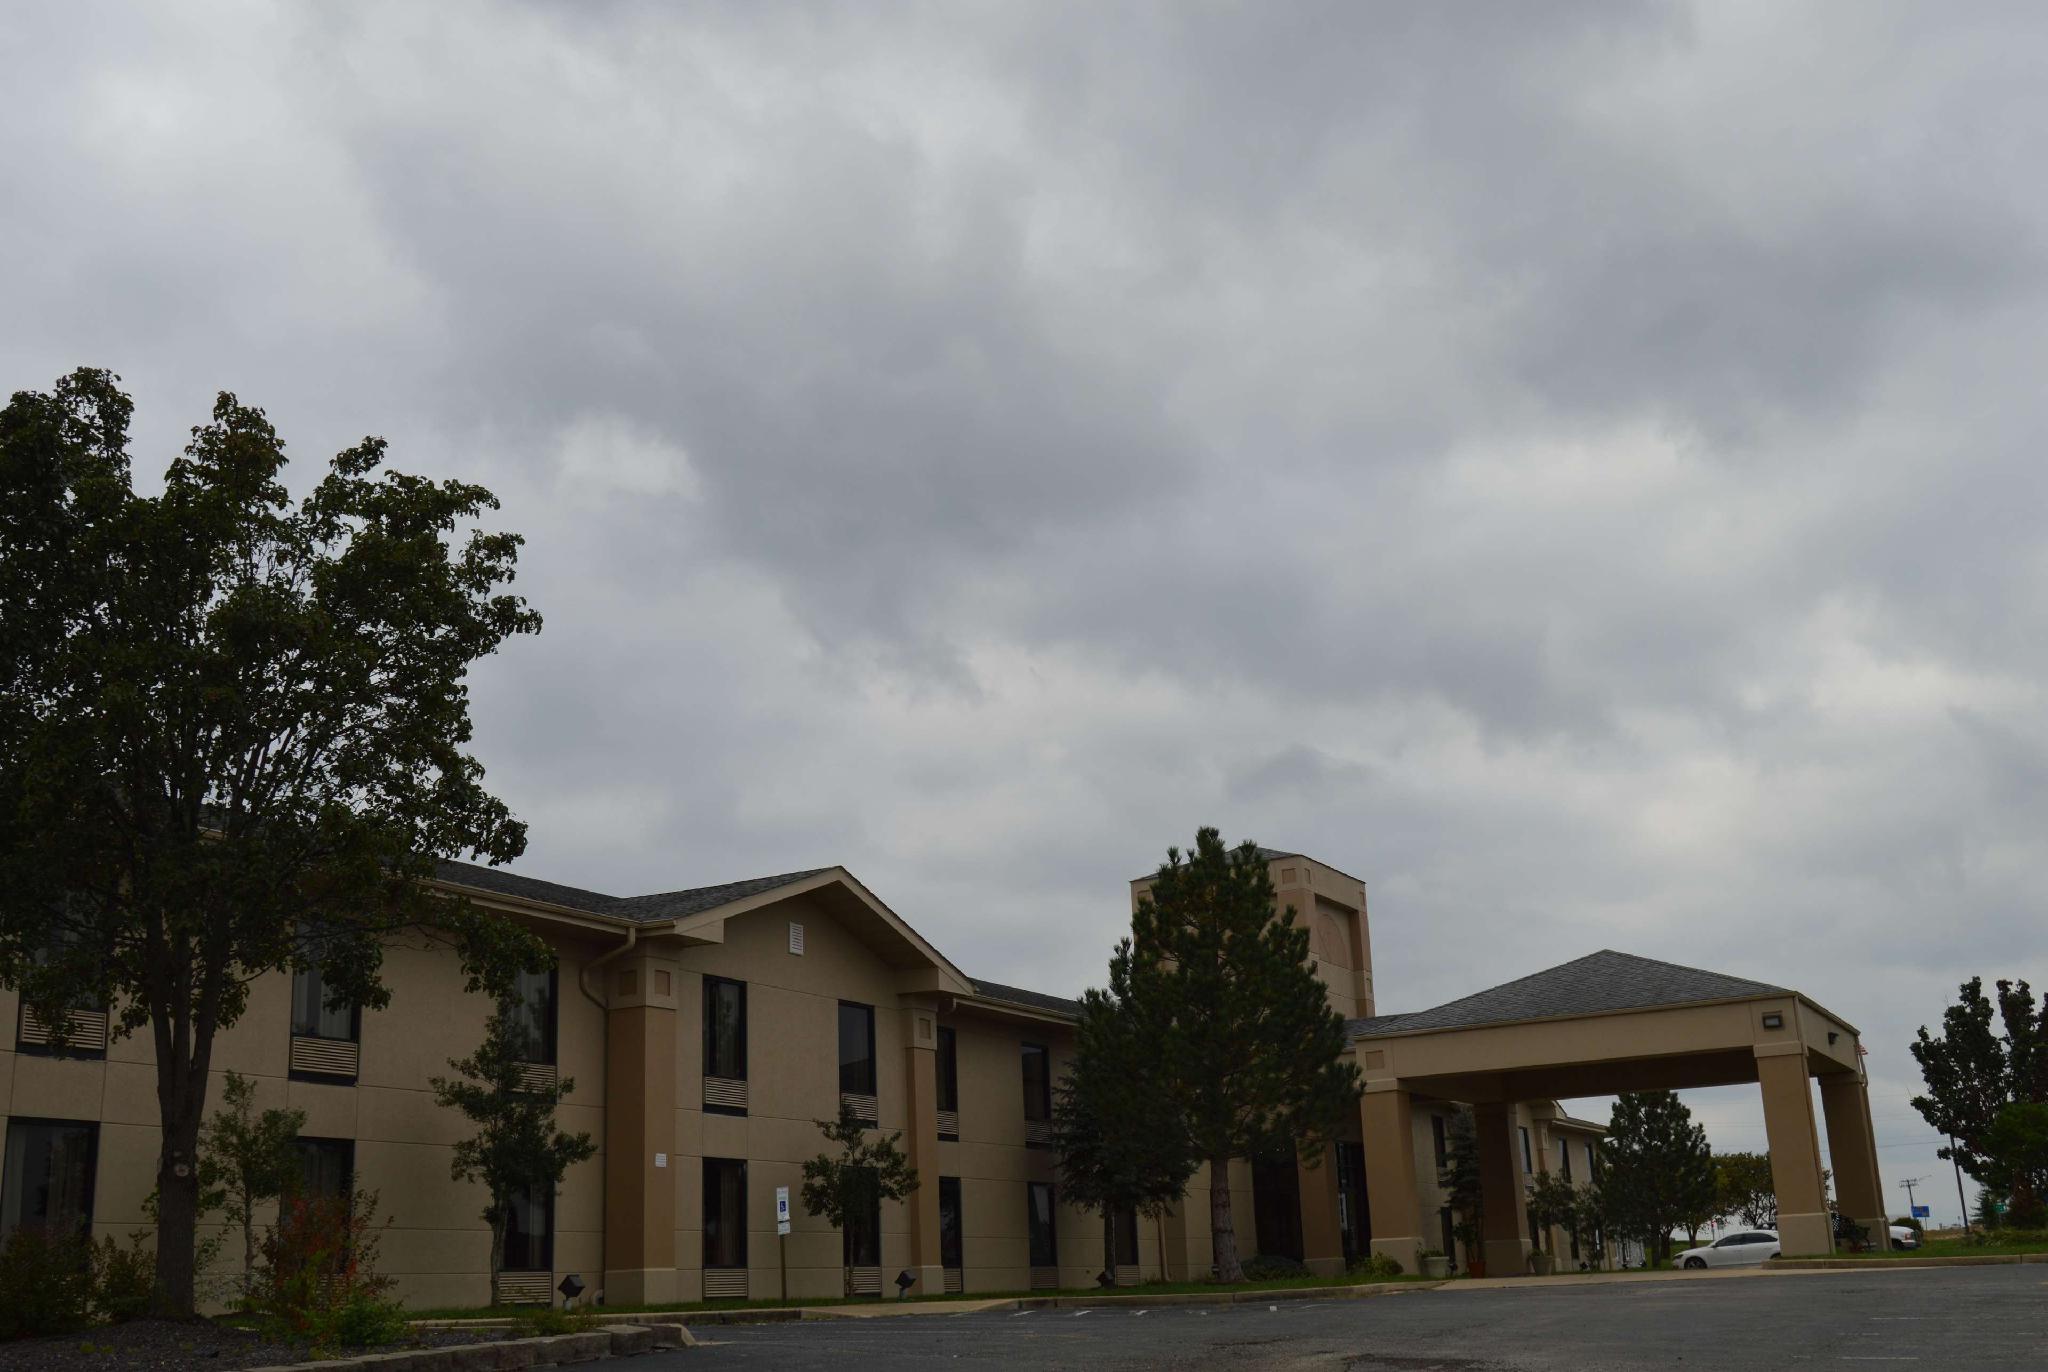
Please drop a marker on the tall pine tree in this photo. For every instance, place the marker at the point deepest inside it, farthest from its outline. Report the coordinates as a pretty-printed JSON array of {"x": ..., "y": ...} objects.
[
  {"x": 1254, "y": 1053},
  {"x": 1119, "y": 1128}
]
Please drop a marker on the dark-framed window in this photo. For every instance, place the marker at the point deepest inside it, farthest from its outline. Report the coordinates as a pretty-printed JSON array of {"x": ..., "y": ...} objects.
[
  {"x": 530, "y": 1231},
  {"x": 81, "y": 1044},
  {"x": 1438, "y": 1138},
  {"x": 725, "y": 1212},
  {"x": 1592, "y": 1164},
  {"x": 949, "y": 1069},
  {"x": 1126, "y": 1238},
  {"x": 861, "y": 1240},
  {"x": 533, "y": 1008},
  {"x": 313, "y": 1018},
  {"x": 1037, "y": 1083},
  {"x": 725, "y": 1028},
  {"x": 952, "y": 1248},
  {"x": 1449, "y": 1227},
  {"x": 856, "y": 1051},
  {"x": 327, "y": 1167},
  {"x": 1528, "y": 1157},
  {"x": 1276, "y": 1203},
  {"x": 1039, "y": 1203},
  {"x": 1564, "y": 1153},
  {"x": 47, "y": 1173}
]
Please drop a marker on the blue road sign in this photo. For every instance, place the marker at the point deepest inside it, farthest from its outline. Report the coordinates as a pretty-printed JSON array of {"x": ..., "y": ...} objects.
[{"x": 1921, "y": 1212}]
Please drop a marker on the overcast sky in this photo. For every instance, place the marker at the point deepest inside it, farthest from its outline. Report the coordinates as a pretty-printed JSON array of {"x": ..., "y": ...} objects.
[{"x": 1576, "y": 467}]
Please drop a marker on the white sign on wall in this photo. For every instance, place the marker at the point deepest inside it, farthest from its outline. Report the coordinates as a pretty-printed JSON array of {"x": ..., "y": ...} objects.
[
  {"x": 661, "y": 1159},
  {"x": 782, "y": 1209}
]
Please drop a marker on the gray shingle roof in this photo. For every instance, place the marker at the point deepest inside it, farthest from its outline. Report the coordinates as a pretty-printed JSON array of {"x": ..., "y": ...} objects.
[
  {"x": 1036, "y": 1000},
  {"x": 1595, "y": 984},
  {"x": 641, "y": 909}
]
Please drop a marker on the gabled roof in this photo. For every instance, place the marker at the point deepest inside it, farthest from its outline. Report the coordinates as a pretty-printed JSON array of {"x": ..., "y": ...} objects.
[
  {"x": 649, "y": 909},
  {"x": 1599, "y": 983}
]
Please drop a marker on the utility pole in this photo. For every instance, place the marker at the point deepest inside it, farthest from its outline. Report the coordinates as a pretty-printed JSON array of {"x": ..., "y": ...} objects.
[
  {"x": 1909, "y": 1183},
  {"x": 1960, "y": 1202}
]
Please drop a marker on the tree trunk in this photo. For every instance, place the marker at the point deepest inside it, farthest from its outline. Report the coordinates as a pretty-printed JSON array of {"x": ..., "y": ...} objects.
[
  {"x": 1222, "y": 1229},
  {"x": 248, "y": 1247},
  {"x": 181, "y": 1099},
  {"x": 1109, "y": 1243}
]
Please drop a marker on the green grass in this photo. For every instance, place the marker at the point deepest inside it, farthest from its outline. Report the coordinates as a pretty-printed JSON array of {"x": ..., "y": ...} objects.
[{"x": 513, "y": 1312}]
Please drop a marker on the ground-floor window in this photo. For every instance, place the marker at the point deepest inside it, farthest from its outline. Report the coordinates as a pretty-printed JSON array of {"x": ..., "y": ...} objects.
[
  {"x": 530, "y": 1231},
  {"x": 46, "y": 1176},
  {"x": 1276, "y": 1205},
  {"x": 1354, "y": 1208},
  {"x": 951, "y": 1249},
  {"x": 327, "y": 1168},
  {"x": 725, "y": 1212},
  {"x": 1127, "y": 1238},
  {"x": 1449, "y": 1227},
  {"x": 862, "y": 1239},
  {"x": 1045, "y": 1248}
]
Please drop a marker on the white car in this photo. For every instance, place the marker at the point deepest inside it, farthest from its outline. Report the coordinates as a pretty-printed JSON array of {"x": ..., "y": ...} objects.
[
  {"x": 1743, "y": 1248},
  {"x": 1903, "y": 1237}
]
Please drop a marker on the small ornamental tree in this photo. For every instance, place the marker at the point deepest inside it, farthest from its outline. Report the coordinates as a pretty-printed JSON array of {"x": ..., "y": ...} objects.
[
  {"x": 1743, "y": 1189},
  {"x": 227, "y": 718},
  {"x": 1974, "y": 1071},
  {"x": 1255, "y": 1054},
  {"x": 1459, "y": 1177},
  {"x": 848, "y": 1188},
  {"x": 517, "y": 1150},
  {"x": 1118, "y": 1127},
  {"x": 1657, "y": 1172},
  {"x": 247, "y": 1158}
]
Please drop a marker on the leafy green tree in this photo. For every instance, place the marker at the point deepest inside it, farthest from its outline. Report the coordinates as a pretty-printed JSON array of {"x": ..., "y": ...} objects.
[
  {"x": 1553, "y": 1202},
  {"x": 247, "y": 1158},
  {"x": 517, "y": 1149},
  {"x": 225, "y": 719},
  {"x": 1255, "y": 1054},
  {"x": 1120, "y": 1133},
  {"x": 1657, "y": 1172},
  {"x": 1973, "y": 1072},
  {"x": 1743, "y": 1189},
  {"x": 849, "y": 1187},
  {"x": 2017, "y": 1144},
  {"x": 1459, "y": 1177}
]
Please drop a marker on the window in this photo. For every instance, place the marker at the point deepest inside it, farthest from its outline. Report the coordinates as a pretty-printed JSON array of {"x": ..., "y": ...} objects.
[
  {"x": 1564, "y": 1153},
  {"x": 951, "y": 1249},
  {"x": 530, "y": 1231},
  {"x": 856, "y": 1049},
  {"x": 949, "y": 1070},
  {"x": 725, "y": 1028},
  {"x": 1535, "y": 1230},
  {"x": 1436, "y": 1136},
  {"x": 1528, "y": 1158},
  {"x": 1276, "y": 1203},
  {"x": 46, "y": 1176},
  {"x": 862, "y": 1241},
  {"x": 1037, "y": 1083},
  {"x": 725, "y": 1212},
  {"x": 1045, "y": 1248},
  {"x": 312, "y": 1017},
  {"x": 1127, "y": 1238},
  {"x": 327, "y": 1167},
  {"x": 1592, "y": 1164},
  {"x": 1449, "y": 1230},
  {"x": 532, "y": 1007}
]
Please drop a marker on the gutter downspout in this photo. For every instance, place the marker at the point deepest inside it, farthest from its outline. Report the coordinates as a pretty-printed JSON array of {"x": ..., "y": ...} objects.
[{"x": 605, "y": 1056}]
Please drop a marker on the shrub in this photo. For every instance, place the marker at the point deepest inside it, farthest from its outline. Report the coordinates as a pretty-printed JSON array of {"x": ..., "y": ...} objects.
[
  {"x": 1268, "y": 1266},
  {"x": 550, "y": 1320},
  {"x": 319, "y": 1284},
  {"x": 1908, "y": 1222},
  {"x": 45, "y": 1282},
  {"x": 123, "y": 1279},
  {"x": 1380, "y": 1267}
]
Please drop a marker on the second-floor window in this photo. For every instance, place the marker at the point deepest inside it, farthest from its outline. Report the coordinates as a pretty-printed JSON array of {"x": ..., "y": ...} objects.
[
  {"x": 1438, "y": 1137},
  {"x": 532, "y": 1010},
  {"x": 312, "y": 1016},
  {"x": 1564, "y": 1153},
  {"x": 1528, "y": 1158},
  {"x": 1037, "y": 1083},
  {"x": 725, "y": 1028},
  {"x": 856, "y": 1049},
  {"x": 949, "y": 1070}
]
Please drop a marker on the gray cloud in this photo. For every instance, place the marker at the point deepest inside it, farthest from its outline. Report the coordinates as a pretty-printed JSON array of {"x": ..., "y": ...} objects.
[{"x": 1575, "y": 467}]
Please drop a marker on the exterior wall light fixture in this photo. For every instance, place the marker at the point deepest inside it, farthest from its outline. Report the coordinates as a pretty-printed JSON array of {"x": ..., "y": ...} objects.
[{"x": 1774, "y": 1021}]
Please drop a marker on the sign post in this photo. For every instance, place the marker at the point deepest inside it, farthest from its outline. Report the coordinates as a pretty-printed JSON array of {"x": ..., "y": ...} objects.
[{"x": 782, "y": 1234}]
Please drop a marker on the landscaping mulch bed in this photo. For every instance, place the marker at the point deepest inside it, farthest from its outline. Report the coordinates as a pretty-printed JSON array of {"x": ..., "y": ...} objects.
[{"x": 188, "y": 1346}]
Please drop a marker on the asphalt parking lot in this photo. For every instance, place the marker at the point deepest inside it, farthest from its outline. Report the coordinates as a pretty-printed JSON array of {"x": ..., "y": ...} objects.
[{"x": 1976, "y": 1318}]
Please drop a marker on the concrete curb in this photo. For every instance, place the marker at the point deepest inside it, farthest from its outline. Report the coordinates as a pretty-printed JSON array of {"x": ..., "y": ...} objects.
[
  {"x": 1106, "y": 1301},
  {"x": 1889, "y": 1264},
  {"x": 510, "y": 1355}
]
